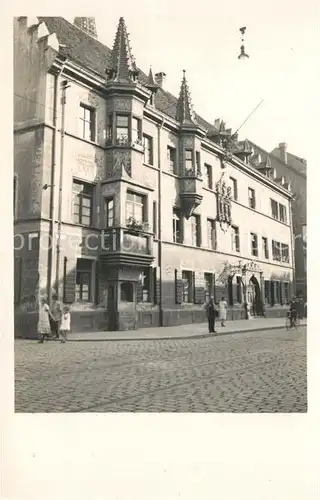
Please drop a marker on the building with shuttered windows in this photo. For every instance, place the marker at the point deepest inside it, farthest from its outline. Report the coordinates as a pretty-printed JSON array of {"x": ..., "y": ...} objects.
[{"x": 126, "y": 202}]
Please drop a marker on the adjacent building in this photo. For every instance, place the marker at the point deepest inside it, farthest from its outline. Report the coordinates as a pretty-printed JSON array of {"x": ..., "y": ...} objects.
[{"x": 126, "y": 202}]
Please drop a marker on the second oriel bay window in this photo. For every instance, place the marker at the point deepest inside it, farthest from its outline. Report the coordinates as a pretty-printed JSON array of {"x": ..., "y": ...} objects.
[
  {"x": 136, "y": 207},
  {"x": 177, "y": 226},
  {"x": 82, "y": 202}
]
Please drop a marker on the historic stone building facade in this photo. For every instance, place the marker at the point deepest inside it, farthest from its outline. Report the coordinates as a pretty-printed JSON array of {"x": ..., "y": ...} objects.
[{"x": 126, "y": 202}]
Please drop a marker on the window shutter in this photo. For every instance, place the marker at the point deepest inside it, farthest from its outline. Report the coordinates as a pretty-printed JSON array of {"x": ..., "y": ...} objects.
[
  {"x": 69, "y": 282},
  {"x": 178, "y": 286},
  {"x": 281, "y": 287},
  {"x": 234, "y": 290},
  {"x": 139, "y": 291},
  {"x": 156, "y": 286},
  {"x": 97, "y": 283},
  {"x": 17, "y": 279},
  {"x": 262, "y": 291},
  {"x": 272, "y": 292}
]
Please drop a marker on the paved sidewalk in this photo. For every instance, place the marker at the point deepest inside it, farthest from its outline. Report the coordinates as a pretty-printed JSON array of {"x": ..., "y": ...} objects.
[{"x": 193, "y": 330}]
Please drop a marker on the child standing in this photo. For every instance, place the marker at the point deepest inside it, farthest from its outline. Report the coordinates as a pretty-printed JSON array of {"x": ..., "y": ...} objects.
[
  {"x": 65, "y": 324},
  {"x": 44, "y": 328}
]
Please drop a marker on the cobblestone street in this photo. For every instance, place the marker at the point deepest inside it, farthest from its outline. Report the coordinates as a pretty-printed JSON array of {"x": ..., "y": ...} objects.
[{"x": 263, "y": 371}]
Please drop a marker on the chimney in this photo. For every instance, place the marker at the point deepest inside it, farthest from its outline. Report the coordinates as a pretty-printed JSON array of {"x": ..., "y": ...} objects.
[
  {"x": 160, "y": 79},
  {"x": 283, "y": 151}
]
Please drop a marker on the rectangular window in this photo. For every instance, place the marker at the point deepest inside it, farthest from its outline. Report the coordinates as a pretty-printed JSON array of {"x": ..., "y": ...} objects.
[
  {"x": 87, "y": 122},
  {"x": 254, "y": 244},
  {"x": 276, "y": 250},
  {"x": 198, "y": 162},
  {"x": 265, "y": 247},
  {"x": 283, "y": 213},
  {"x": 207, "y": 176},
  {"x": 235, "y": 239},
  {"x": 211, "y": 234},
  {"x": 172, "y": 158},
  {"x": 84, "y": 280},
  {"x": 187, "y": 286},
  {"x": 208, "y": 279},
  {"x": 155, "y": 218},
  {"x": 135, "y": 207},
  {"x": 195, "y": 231},
  {"x": 274, "y": 209},
  {"x": 148, "y": 149},
  {"x": 136, "y": 131},
  {"x": 177, "y": 226},
  {"x": 82, "y": 202},
  {"x": 284, "y": 252},
  {"x": 109, "y": 212},
  {"x": 189, "y": 160},
  {"x": 252, "y": 198},
  {"x": 239, "y": 290},
  {"x": 122, "y": 133},
  {"x": 234, "y": 188}
]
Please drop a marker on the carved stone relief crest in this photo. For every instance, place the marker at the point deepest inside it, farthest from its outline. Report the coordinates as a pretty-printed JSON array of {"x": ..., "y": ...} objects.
[{"x": 122, "y": 104}]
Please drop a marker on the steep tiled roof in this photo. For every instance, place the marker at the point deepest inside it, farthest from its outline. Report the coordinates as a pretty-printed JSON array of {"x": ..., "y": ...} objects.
[{"x": 92, "y": 54}]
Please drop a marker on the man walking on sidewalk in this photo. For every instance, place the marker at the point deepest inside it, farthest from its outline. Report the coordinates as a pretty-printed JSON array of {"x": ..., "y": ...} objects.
[{"x": 212, "y": 312}]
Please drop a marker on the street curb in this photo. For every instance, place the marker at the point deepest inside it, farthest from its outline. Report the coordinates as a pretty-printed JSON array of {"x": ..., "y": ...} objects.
[{"x": 201, "y": 336}]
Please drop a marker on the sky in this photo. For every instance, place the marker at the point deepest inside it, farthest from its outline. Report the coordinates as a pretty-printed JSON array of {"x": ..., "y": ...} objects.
[{"x": 204, "y": 38}]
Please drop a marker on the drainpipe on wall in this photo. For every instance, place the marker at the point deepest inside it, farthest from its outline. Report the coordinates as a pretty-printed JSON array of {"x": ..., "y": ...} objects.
[
  {"x": 64, "y": 86},
  {"x": 52, "y": 193},
  {"x": 160, "y": 127}
]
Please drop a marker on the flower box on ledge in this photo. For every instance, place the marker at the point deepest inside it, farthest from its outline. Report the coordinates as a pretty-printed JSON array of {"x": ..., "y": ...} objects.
[{"x": 136, "y": 226}]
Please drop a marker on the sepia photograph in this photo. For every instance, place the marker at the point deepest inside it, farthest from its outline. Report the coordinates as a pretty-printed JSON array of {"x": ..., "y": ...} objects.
[{"x": 159, "y": 202}]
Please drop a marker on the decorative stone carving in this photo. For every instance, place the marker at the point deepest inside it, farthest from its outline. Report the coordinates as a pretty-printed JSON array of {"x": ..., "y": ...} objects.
[
  {"x": 188, "y": 142},
  {"x": 122, "y": 105},
  {"x": 223, "y": 203}
]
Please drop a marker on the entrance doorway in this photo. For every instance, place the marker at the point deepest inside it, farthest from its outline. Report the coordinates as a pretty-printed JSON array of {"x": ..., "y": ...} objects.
[{"x": 254, "y": 297}]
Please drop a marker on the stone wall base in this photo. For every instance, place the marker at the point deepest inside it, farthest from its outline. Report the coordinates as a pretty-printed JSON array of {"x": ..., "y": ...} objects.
[{"x": 96, "y": 319}]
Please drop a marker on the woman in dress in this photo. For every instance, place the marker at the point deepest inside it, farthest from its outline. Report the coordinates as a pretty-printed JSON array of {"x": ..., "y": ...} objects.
[
  {"x": 44, "y": 328},
  {"x": 223, "y": 307}
]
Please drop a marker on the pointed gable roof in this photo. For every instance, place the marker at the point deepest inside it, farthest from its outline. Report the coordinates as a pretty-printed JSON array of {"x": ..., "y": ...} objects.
[
  {"x": 87, "y": 24},
  {"x": 185, "y": 113},
  {"x": 151, "y": 84},
  {"x": 122, "y": 63}
]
